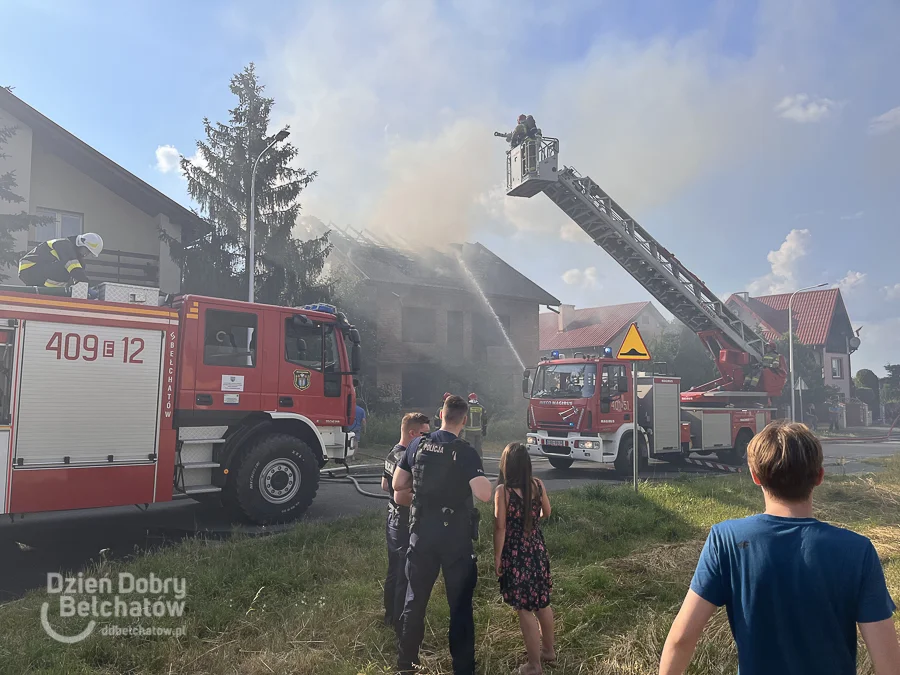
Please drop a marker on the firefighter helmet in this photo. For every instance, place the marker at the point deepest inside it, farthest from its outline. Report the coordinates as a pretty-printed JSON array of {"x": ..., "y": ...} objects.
[
  {"x": 446, "y": 395},
  {"x": 522, "y": 119},
  {"x": 473, "y": 397},
  {"x": 91, "y": 241}
]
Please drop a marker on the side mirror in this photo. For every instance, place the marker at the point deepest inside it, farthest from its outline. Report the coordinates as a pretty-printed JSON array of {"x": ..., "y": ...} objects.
[
  {"x": 526, "y": 383},
  {"x": 355, "y": 357},
  {"x": 622, "y": 384},
  {"x": 354, "y": 336}
]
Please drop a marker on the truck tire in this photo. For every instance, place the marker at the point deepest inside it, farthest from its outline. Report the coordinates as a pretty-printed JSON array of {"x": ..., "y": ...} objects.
[
  {"x": 738, "y": 454},
  {"x": 275, "y": 480},
  {"x": 560, "y": 462},
  {"x": 624, "y": 461}
]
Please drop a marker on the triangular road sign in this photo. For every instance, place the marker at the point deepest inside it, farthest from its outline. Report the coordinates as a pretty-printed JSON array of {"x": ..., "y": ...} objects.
[{"x": 633, "y": 347}]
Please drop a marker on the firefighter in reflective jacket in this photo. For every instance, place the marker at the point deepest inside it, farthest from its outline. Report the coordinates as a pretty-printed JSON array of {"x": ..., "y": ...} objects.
[
  {"x": 57, "y": 262},
  {"x": 771, "y": 360},
  {"x": 445, "y": 473},
  {"x": 476, "y": 424}
]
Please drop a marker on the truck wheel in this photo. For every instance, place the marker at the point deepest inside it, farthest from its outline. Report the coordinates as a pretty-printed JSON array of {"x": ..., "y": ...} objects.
[
  {"x": 738, "y": 454},
  {"x": 624, "y": 461},
  {"x": 275, "y": 480},
  {"x": 560, "y": 462}
]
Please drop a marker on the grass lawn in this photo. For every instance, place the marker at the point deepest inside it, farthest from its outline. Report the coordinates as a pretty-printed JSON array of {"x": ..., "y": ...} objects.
[{"x": 309, "y": 600}]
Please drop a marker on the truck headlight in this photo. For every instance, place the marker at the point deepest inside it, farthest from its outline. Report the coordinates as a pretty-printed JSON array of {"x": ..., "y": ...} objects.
[
  {"x": 531, "y": 440},
  {"x": 588, "y": 445}
]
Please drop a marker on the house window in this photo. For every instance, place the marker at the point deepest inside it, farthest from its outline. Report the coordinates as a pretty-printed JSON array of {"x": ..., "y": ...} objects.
[
  {"x": 230, "y": 339},
  {"x": 63, "y": 224},
  {"x": 418, "y": 386},
  {"x": 837, "y": 368},
  {"x": 419, "y": 325}
]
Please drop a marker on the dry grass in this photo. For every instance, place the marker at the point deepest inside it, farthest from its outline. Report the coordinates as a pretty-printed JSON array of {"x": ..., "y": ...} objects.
[{"x": 309, "y": 601}]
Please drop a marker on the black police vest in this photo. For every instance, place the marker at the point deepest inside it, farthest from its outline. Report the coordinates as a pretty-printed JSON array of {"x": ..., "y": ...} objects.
[
  {"x": 438, "y": 483},
  {"x": 390, "y": 464}
]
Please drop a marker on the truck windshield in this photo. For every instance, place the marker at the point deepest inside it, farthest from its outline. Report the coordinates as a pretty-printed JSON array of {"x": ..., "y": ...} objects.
[{"x": 574, "y": 380}]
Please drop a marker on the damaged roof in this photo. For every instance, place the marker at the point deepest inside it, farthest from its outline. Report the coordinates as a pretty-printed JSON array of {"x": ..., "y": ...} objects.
[
  {"x": 814, "y": 313},
  {"x": 589, "y": 327},
  {"x": 428, "y": 267}
]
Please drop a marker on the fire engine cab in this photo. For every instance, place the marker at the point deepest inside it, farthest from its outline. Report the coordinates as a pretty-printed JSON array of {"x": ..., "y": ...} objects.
[
  {"x": 582, "y": 407},
  {"x": 111, "y": 403}
]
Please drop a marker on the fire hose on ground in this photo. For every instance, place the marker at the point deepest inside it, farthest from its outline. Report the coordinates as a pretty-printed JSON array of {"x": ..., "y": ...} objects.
[
  {"x": 358, "y": 480},
  {"x": 878, "y": 439}
]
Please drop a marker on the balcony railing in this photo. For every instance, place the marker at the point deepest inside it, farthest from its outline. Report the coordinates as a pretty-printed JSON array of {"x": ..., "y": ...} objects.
[{"x": 121, "y": 267}]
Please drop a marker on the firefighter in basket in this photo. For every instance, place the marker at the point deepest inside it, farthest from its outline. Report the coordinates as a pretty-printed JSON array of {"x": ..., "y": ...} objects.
[
  {"x": 476, "y": 424},
  {"x": 57, "y": 263}
]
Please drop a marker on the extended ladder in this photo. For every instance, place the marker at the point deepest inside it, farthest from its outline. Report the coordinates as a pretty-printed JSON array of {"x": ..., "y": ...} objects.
[{"x": 533, "y": 167}]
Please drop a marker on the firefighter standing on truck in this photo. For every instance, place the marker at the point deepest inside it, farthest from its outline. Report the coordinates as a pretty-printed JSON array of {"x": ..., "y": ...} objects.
[
  {"x": 476, "y": 424},
  {"x": 445, "y": 473},
  {"x": 57, "y": 263}
]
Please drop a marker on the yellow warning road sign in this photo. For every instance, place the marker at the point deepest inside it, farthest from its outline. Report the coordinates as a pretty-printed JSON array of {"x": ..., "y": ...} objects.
[{"x": 633, "y": 347}]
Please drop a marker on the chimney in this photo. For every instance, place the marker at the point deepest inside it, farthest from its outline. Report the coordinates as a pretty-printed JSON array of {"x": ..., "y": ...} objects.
[
  {"x": 565, "y": 317},
  {"x": 743, "y": 295}
]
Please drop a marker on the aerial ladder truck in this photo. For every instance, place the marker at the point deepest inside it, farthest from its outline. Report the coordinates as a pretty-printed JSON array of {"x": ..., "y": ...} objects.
[{"x": 570, "y": 417}]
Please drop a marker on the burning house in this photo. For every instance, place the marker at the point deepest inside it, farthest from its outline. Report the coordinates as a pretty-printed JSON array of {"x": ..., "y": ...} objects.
[{"x": 455, "y": 320}]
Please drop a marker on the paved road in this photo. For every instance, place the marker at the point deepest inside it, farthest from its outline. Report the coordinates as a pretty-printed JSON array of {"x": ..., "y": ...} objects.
[{"x": 44, "y": 543}]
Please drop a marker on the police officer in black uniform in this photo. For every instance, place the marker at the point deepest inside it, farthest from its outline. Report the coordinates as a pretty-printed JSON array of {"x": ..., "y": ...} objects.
[
  {"x": 445, "y": 473},
  {"x": 411, "y": 426}
]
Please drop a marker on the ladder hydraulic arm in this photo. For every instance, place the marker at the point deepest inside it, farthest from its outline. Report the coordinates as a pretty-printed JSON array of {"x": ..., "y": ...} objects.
[{"x": 533, "y": 167}]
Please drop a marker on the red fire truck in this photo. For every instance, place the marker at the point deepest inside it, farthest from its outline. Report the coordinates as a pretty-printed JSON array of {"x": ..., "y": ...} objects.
[
  {"x": 116, "y": 403},
  {"x": 582, "y": 407}
]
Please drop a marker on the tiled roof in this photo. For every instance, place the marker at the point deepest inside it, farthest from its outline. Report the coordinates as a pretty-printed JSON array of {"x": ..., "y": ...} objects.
[
  {"x": 590, "y": 327},
  {"x": 427, "y": 267},
  {"x": 813, "y": 313}
]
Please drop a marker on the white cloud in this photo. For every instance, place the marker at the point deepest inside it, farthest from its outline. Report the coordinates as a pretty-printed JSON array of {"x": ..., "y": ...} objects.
[
  {"x": 586, "y": 278},
  {"x": 878, "y": 346},
  {"x": 885, "y": 122},
  {"x": 892, "y": 292},
  {"x": 783, "y": 262},
  {"x": 851, "y": 281},
  {"x": 802, "y": 108},
  {"x": 167, "y": 157},
  {"x": 854, "y": 216}
]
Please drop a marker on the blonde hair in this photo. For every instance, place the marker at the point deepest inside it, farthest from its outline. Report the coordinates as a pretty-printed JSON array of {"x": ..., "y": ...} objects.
[{"x": 787, "y": 460}]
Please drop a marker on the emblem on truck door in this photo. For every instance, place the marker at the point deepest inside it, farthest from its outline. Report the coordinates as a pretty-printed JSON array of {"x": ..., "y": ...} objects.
[{"x": 301, "y": 379}]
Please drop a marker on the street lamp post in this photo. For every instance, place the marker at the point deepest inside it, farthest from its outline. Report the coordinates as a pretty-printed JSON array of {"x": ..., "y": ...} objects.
[
  {"x": 791, "y": 340},
  {"x": 251, "y": 259}
]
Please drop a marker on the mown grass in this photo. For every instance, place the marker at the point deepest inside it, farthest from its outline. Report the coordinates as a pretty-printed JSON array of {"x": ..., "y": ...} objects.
[{"x": 309, "y": 600}]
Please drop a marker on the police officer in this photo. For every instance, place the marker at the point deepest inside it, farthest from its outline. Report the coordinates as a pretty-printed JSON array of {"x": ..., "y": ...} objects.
[
  {"x": 444, "y": 473},
  {"x": 411, "y": 426},
  {"x": 57, "y": 263},
  {"x": 436, "y": 421},
  {"x": 476, "y": 423}
]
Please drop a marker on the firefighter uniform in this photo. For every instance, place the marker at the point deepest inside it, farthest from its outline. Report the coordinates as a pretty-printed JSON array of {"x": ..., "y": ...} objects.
[
  {"x": 53, "y": 263},
  {"x": 443, "y": 526},
  {"x": 476, "y": 425},
  {"x": 397, "y": 532},
  {"x": 771, "y": 361}
]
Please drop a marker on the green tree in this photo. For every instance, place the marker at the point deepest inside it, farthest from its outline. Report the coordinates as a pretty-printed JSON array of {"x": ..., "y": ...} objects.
[
  {"x": 806, "y": 366},
  {"x": 684, "y": 354},
  {"x": 866, "y": 382},
  {"x": 288, "y": 271},
  {"x": 10, "y": 223}
]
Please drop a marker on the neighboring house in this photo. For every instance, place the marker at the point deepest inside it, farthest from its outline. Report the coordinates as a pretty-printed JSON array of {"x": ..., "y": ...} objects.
[
  {"x": 820, "y": 321},
  {"x": 432, "y": 325},
  {"x": 81, "y": 190},
  {"x": 592, "y": 328}
]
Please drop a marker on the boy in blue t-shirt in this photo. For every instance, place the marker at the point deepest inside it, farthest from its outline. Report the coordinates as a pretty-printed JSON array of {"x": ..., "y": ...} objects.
[{"x": 795, "y": 588}]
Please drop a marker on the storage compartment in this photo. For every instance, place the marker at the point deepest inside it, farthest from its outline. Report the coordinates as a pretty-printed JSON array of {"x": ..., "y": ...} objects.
[
  {"x": 134, "y": 295},
  {"x": 659, "y": 411}
]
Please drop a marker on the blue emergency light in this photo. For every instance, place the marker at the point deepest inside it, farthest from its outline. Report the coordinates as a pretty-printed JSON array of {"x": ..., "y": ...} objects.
[
  {"x": 607, "y": 351},
  {"x": 554, "y": 354},
  {"x": 321, "y": 307}
]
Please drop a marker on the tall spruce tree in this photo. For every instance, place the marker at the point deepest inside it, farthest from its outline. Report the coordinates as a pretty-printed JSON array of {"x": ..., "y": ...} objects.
[
  {"x": 10, "y": 223},
  {"x": 288, "y": 271}
]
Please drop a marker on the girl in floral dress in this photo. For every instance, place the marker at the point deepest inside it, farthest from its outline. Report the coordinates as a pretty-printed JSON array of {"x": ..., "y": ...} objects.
[{"x": 520, "y": 555}]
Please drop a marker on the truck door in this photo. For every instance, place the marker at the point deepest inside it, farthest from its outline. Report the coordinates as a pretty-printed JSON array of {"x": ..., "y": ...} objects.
[
  {"x": 310, "y": 377},
  {"x": 229, "y": 375}
]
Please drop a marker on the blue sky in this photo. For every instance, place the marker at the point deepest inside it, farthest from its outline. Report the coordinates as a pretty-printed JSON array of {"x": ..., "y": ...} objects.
[{"x": 759, "y": 141}]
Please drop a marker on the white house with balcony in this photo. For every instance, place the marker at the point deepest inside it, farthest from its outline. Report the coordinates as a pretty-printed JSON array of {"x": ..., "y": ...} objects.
[{"x": 81, "y": 190}]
